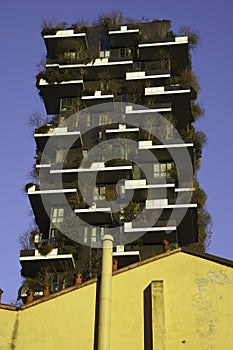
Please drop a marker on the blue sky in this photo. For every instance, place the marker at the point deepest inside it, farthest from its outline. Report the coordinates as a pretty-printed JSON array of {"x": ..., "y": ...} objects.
[{"x": 22, "y": 48}]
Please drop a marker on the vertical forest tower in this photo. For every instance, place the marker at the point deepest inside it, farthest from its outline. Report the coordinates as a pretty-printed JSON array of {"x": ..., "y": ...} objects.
[{"x": 146, "y": 69}]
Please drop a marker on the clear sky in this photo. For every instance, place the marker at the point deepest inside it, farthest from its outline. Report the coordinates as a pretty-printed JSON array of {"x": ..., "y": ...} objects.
[{"x": 22, "y": 48}]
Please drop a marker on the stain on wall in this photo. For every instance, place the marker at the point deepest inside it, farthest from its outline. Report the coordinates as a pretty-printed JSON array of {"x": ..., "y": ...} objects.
[{"x": 206, "y": 301}]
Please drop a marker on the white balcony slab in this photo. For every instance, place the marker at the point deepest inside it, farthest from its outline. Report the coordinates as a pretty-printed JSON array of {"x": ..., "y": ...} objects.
[
  {"x": 128, "y": 228},
  {"x": 55, "y": 132},
  {"x": 160, "y": 90},
  {"x": 178, "y": 40},
  {"x": 93, "y": 210},
  {"x": 126, "y": 253},
  {"x": 121, "y": 129},
  {"x": 71, "y": 190},
  {"x": 148, "y": 145},
  {"x": 173, "y": 206},
  {"x": 141, "y": 184},
  {"x": 142, "y": 75},
  {"x": 65, "y": 34},
  {"x": 44, "y": 82},
  {"x": 94, "y": 168},
  {"x": 130, "y": 110},
  {"x": 97, "y": 62},
  {"x": 50, "y": 256},
  {"x": 124, "y": 30},
  {"x": 97, "y": 96},
  {"x": 186, "y": 189}
]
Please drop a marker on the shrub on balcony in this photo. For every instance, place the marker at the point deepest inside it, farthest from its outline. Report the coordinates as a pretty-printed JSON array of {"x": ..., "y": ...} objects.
[
  {"x": 50, "y": 27},
  {"x": 45, "y": 249}
]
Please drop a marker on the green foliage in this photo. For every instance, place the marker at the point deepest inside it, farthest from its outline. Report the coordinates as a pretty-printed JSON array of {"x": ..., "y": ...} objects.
[
  {"x": 93, "y": 264},
  {"x": 114, "y": 17},
  {"x": 172, "y": 173},
  {"x": 131, "y": 211},
  {"x": 194, "y": 37},
  {"x": 197, "y": 110},
  {"x": 24, "y": 240},
  {"x": 187, "y": 77},
  {"x": 80, "y": 24},
  {"x": 53, "y": 76},
  {"x": 50, "y": 27},
  {"x": 199, "y": 139},
  {"x": 204, "y": 217},
  {"x": 43, "y": 129},
  {"x": 35, "y": 120},
  {"x": 45, "y": 249},
  {"x": 28, "y": 283}
]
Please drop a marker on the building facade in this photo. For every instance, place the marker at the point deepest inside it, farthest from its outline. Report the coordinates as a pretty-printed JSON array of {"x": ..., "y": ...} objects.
[
  {"x": 91, "y": 71},
  {"x": 172, "y": 301}
]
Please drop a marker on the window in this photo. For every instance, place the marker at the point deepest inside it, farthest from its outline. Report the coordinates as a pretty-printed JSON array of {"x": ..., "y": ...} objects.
[
  {"x": 71, "y": 56},
  {"x": 57, "y": 214},
  {"x": 102, "y": 191},
  {"x": 88, "y": 120},
  {"x": 99, "y": 192},
  {"x": 65, "y": 103},
  {"x": 169, "y": 131},
  {"x": 85, "y": 238},
  {"x": 162, "y": 169},
  {"x": 139, "y": 66},
  {"x": 122, "y": 191},
  {"x": 96, "y": 193},
  {"x": 104, "y": 54},
  {"x": 104, "y": 85},
  {"x": 53, "y": 235},
  {"x": 85, "y": 152},
  {"x": 60, "y": 156},
  {"x": 102, "y": 231},
  {"x": 93, "y": 234},
  {"x": 126, "y": 51},
  {"x": 103, "y": 118}
]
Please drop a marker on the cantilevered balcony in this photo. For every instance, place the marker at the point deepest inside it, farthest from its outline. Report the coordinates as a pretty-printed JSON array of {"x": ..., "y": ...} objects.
[
  {"x": 95, "y": 215},
  {"x": 164, "y": 204},
  {"x": 165, "y": 90},
  {"x": 128, "y": 227},
  {"x": 156, "y": 108},
  {"x": 122, "y": 129},
  {"x": 177, "y": 96},
  {"x": 59, "y": 135},
  {"x": 125, "y": 257},
  {"x": 53, "y": 196},
  {"x": 151, "y": 235},
  {"x": 99, "y": 98},
  {"x": 187, "y": 230},
  {"x": 52, "y": 93},
  {"x": 64, "y": 37},
  {"x": 164, "y": 152},
  {"x": 98, "y": 66},
  {"x": 142, "y": 184},
  {"x": 105, "y": 174},
  {"x": 140, "y": 189},
  {"x": 143, "y": 76},
  {"x": 177, "y": 41},
  {"x": 32, "y": 261},
  {"x": 124, "y": 37}
]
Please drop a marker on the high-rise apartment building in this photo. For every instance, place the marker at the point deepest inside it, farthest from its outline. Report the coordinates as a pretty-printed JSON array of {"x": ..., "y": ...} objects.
[{"x": 141, "y": 72}]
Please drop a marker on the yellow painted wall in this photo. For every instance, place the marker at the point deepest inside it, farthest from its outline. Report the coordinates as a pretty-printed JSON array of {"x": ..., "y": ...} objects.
[
  {"x": 198, "y": 306},
  {"x": 8, "y": 320},
  {"x": 198, "y": 297}
]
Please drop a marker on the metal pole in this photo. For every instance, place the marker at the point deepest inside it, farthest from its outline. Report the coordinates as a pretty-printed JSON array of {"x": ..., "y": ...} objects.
[{"x": 105, "y": 295}]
